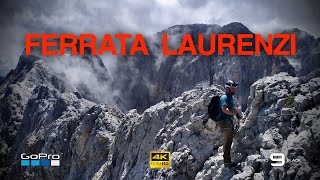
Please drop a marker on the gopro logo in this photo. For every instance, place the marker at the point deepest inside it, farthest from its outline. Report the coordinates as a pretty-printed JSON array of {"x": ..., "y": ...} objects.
[{"x": 41, "y": 159}]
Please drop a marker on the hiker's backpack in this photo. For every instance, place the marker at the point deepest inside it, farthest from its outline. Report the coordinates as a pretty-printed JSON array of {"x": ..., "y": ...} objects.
[{"x": 213, "y": 108}]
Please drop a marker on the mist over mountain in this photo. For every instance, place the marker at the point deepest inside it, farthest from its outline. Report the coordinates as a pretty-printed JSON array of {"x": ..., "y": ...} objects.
[
  {"x": 103, "y": 122},
  {"x": 308, "y": 52}
]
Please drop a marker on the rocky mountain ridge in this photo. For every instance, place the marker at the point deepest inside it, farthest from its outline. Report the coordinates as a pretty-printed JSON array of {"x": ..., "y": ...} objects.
[{"x": 100, "y": 142}]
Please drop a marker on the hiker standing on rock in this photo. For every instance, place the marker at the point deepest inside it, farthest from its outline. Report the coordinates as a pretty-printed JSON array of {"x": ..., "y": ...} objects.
[{"x": 226, "y": 112}]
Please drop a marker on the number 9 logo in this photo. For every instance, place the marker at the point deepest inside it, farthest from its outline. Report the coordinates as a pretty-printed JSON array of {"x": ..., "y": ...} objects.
[{"x": 278, "y": 157}]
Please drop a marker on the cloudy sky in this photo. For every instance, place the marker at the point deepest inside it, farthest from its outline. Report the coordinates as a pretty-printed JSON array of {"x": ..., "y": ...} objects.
[{"x": 18, "y": 17}]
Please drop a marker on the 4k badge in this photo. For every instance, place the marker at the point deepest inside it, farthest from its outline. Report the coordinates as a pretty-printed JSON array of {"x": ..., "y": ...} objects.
[{"x": 160, "y": 159}]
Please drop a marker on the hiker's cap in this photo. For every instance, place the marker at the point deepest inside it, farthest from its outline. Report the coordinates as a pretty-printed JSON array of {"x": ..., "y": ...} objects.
[{"x": 231, "y": 83}]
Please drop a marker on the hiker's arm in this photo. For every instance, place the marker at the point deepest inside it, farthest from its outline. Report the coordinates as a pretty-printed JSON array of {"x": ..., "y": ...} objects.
[
  {"x": 227, "y": 111},
  {"x": 239, "y": 114}
]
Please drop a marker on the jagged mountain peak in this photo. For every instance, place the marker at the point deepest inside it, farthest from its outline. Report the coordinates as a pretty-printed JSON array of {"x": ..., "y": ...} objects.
[
  {"x": 195, "y": 26},
  {"x": 94, "y": 61},
  {"x": 298, "y": 32},
  {"x": 304, "y": 39},
  {"x": 308, "y": 51},
  {"x": 66, "y": 73},
  {"x": 192, "y": 29},
  {"x": 231, "y": 28},
  {"x": 235, "y": 28}
]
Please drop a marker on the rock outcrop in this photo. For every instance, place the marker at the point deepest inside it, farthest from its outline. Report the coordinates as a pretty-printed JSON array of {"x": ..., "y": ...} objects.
[
  {"x": 100, "y": 142},
  {"x": 175, "y": 126},
  {"x": 80, "y": 131},
  {"x": 272, "y": 126},
  {"x": 282, "y": 117},
  {"x": 35, "y": 71}
]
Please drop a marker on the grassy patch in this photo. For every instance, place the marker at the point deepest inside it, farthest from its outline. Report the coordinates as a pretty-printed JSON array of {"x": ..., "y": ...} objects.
[{"x": 289, "y": 103}]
